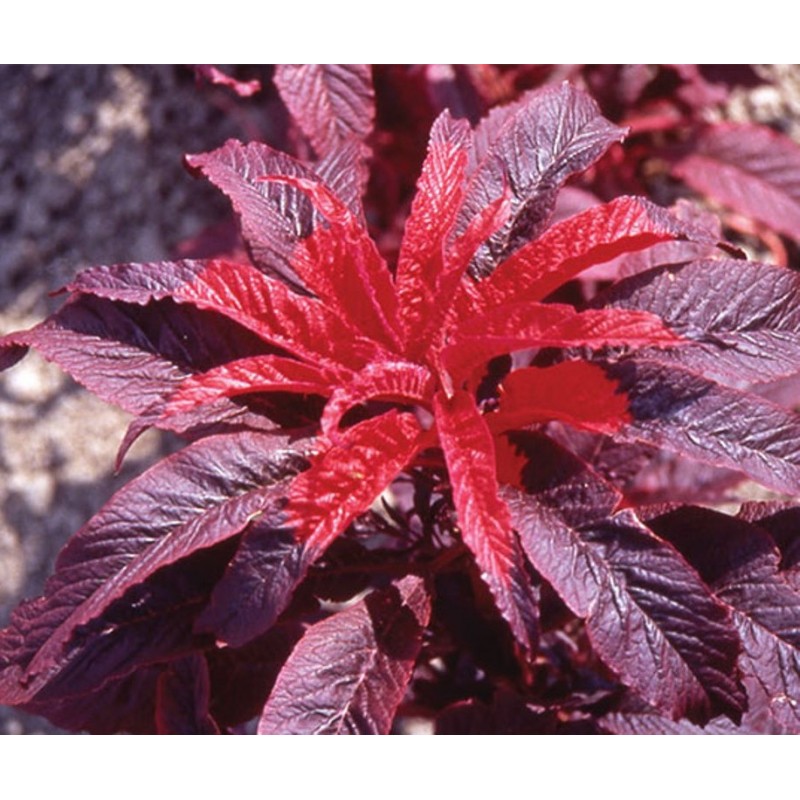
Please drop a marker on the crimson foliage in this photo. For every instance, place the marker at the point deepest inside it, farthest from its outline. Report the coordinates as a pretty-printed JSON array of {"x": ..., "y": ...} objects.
[{"x": 415, "y": 489}]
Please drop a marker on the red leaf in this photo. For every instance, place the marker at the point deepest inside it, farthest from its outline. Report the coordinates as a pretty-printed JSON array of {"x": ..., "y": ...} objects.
[
  {"x": 347, "y": 478},
  {"x": 575, "y": 392},
  {"x": 440, "y": 192},
  {"x": 482, "y": 516},
  {"x": 254, "y": 374},
  {"x": 518, "y": 326},
  {"x": 301, "y": 325},
  {"x": 625, "y": 225},
  {"x": 349, "y": 673},
  {"x": 340, "y": 263},
  {"x": 750, "y": 168}
]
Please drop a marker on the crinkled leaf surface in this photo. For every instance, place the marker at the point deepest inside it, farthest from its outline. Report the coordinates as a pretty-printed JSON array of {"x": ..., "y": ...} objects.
[
  {"x": 747, "y": 333},
  {"x": 649, "y": 616},
  {"x": 679, "y": 410},
  {"x": 349, "y": 673},
  {"x": 193, "y": 500},
  {"x": 482, "y": 515},
  {"x": 183, "y": 696},
  {"x": 533, "y": 147},
  {"x": 330, "y": 102},
  {"x": 741, "y": 563}
]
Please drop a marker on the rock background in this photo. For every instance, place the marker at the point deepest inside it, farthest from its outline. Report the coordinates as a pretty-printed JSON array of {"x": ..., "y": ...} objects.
[{"x": 90, "y": 173}]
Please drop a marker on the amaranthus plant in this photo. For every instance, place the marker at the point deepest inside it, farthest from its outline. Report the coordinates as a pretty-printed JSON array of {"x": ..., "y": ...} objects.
[{"x": 410, "y": 489}]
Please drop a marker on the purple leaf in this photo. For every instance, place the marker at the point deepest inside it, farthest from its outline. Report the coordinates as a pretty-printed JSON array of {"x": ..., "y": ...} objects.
[
  {"x": 747, "y": 334},
  {"x": 649, "y": 616},
  {"x": 182, "y": 698},
  {"x": 242, "y": 677},
  {"x": 203, "y": 495},
  {"x": 349, "y": 673},
  {"x": 741, "y": 563},
  {"x": 681, "y": 411},
  {"x": 331, "y": 103},
  {"x": 533, "y": 145},
  {"x": 750, "y": 168},
  {"x": 258, "y": 583},
  {"x": 137, "y": 358},
  {"x": 274, "y": 216},
  {"x": 651, "y": 723}
]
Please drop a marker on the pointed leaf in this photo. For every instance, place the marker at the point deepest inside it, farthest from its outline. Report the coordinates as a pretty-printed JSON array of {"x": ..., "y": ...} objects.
[
  {"x": 482, "y": 515},
  {"x": 205, "y": 494},
  {"x": 681, "y": 411},
  {"x": 534, "y": 146},
  {"x": 272, "y": 216},
  {"x": 440, "y": 192},
  {"x": 345, "y": 480},
  {"x": 747, "y": 334},
  {"x": 649, "y": 616},
  {"x": 330, "y": 102},
  {"x": 742, "y": 565},
  {"x": 340, "y": 263},
  {"x": 519, "y": 326},
  {"x": 150, "y": 623},
  {"x": 136, "y": 359},
  {"x": 625, "y": 225},
  {"x": 258, "y": 584},
  {"x": 301, "y": 325},
  {"x": 349, "y": 673},
  {"x": 752, "y": 169},
  {"x": 246, "y": 375}
]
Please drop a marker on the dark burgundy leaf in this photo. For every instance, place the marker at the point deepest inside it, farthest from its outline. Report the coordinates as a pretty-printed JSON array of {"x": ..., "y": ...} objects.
[
  {"x": 120, "y": 705},
  {"x": 242, "y": 677},
  {"x": 741, "y": 563},
  {"x": 182, "y": 698},
  {"x": 751, "y": 168},
  {"x": 258, "y": 583},
  {"x": 651, "y": 723},
  {"x": 506, "y": 715},
  {"x": 136, "y": 358},
  {"x": 349, "y": 673},
  {"x": 612, "y": 571},
  {"x": 150, "y": 623},
  {"x": 301, "y": 325},
  {"x": 747, "y": 334},
  {"x": 331, "y": 103},
  {"x": 533, "y": 146},
  {"x": 681, "y": 411},
  {"x": 203, "y": 495},
  {"x": 273, "y": 216}
]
